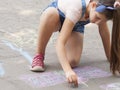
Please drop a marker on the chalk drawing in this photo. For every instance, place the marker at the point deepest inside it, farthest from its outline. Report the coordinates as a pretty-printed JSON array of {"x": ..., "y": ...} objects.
[
  {"x": 112, "y": 86},
  {"x": 81, "y": 80},
  {"x": 2, "y": 72},
  {"x": 43, "y": 79},
  {"x": 27, "y": 12},
  {"x": 22, "y": 39},
  {"x": 20, "y": 50},
  {"x": 91, "y": 72},
  {"x": 46, "y": 79}
]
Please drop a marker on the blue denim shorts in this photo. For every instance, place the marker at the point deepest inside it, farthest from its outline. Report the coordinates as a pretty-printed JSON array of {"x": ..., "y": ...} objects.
[{"x": 79, "y": 26}]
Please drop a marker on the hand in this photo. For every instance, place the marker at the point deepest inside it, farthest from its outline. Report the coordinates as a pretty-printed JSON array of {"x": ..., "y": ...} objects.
[
  {"x": 72, "y": 78},
  {"x": 117, "y": 4}
]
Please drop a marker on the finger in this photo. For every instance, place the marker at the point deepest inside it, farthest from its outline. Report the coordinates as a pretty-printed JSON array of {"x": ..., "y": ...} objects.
[
  {"x": 75, "y": 81},
  {"x": 70, "y": 79}
]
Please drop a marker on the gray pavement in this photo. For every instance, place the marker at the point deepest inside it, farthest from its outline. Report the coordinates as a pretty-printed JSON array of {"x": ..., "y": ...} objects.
[{"x": 19, "y": 21}]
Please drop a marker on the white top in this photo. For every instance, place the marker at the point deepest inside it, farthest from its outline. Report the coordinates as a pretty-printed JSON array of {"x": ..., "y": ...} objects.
[{"x": 72, "y": 9}]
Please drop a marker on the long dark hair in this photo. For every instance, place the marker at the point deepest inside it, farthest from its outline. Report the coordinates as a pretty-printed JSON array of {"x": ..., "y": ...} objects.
[
  {"x": 115, "y": 47},
  {"x": 115, "y": 42}
]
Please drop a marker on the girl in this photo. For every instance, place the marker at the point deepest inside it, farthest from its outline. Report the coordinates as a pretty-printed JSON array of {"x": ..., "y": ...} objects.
[{"x": 69, "y": 17}]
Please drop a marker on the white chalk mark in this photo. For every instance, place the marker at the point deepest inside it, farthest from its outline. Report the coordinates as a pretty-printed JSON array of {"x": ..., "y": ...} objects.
[
  {"x": 2, "y": 71},
  {"x": 22, "y": 52},
  {"x": 84, "y": 83}
]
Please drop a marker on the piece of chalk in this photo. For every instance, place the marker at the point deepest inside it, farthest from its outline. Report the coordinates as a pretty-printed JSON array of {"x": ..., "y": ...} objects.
[{"x": 84, "y": 84}]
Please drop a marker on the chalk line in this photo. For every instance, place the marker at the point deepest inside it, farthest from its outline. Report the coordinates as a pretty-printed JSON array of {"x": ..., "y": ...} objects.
[
  {"x": 2, "y": 71},
  {"x": 20, "y": 50}
]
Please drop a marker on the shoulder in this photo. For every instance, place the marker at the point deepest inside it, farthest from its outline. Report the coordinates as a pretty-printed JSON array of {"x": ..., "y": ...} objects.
[{"x": 103, "y": 26}]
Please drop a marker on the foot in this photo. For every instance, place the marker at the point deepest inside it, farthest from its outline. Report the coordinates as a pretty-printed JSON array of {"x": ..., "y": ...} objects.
[{"x": 38, "y": 63}]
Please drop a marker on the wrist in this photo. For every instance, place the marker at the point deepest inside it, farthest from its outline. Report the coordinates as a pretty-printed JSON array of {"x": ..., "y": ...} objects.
[{"x": 69, "y": 73}]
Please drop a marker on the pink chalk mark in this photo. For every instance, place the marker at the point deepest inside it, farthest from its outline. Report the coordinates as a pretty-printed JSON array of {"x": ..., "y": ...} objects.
[{"x": 57, "y": 77}]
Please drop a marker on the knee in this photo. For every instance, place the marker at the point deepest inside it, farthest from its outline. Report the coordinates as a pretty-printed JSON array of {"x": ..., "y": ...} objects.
[
  {"x": 51, "y": 14},
  {"x": 74, "y": 63}
]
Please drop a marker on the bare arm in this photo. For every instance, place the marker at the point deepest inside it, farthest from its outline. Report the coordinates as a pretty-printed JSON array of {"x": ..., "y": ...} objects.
[
  {"x": 105, "y": 36},
  {"x": 60, "y": 47}
]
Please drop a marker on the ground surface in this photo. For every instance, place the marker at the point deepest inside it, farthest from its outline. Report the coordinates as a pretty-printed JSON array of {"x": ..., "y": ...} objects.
[{"x": 19, "y": 21}]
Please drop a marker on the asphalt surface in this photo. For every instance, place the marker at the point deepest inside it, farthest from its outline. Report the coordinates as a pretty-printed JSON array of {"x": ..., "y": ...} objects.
[{"x": 19, "y": 21}]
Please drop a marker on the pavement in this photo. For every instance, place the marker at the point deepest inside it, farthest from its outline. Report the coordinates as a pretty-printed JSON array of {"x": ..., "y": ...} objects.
[{"x": 19, "y": 21}]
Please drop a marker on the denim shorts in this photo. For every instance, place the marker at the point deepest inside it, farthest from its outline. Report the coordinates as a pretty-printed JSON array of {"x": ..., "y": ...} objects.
[{"x": 79, "y": 26}]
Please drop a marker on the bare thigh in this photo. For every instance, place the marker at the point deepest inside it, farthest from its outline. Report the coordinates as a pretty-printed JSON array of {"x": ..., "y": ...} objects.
[
  {"x": 74, "y": 48},
  {"x": 50, "y": 19}
]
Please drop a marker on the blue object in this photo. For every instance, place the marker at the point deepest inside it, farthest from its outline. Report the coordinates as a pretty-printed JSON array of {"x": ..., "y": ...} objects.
[{"x": 102, "y": 8}]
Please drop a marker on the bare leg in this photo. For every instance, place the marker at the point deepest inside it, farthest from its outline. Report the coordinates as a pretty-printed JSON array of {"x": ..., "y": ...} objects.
[
  {"x": 74, "y": 48},
  {"x": 48, "y": 24}
]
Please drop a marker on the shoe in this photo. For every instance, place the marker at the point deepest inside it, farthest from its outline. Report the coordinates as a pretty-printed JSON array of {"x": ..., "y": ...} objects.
[{"x": 38, "y": 63}]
